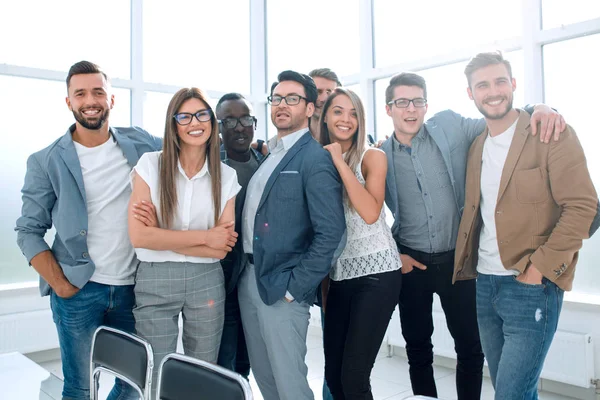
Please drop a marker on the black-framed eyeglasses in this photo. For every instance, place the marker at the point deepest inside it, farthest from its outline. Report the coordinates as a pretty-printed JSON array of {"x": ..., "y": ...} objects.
[
  {"x": 418, "y": 102},
  {"x": 186, "y": 118},
  {"x": 245, "y": 121},
  {"x": 290, "y": 100}
]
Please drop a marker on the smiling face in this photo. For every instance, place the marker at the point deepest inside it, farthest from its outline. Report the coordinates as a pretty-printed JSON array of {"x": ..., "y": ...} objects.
[
  {"x": 492, "y": 90},
  {"x": 341, "y": 120},
  {"x": 407, "y": 121},
  {"x": 236, "y": 139},
  {"x": 90, "y": 100},
  {"x": 197, "y": 133}
]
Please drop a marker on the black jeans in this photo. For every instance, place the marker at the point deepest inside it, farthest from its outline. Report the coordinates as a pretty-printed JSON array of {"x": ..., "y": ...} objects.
[
  {"x": 357, "y": 316},
  {"x": 459, "y": 305}
]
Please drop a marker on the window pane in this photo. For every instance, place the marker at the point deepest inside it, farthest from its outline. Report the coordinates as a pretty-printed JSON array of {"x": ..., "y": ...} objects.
[
  {"x": 23, "y": 136},
  {"x": 447, "y": 89},
  {"x": 304, "y": 35},
  {"x": 556, "y": 13},
  {"x": 25, "y": 132},
  {"x": 356, "y": 89},
  {"x": 570, "y": 68},
  {"x": 411, "y": 30},
  {"x": 78, "y": 30},
  {"x": 205, "y": 44}
]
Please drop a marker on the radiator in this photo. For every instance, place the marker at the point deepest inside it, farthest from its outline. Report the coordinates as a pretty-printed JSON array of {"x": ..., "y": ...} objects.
[
  {"x": 27, "y": 332},
  {"x": 570, "y": 359}
]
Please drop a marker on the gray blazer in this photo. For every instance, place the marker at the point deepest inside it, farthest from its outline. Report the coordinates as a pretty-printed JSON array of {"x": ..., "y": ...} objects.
[
  {"x": 53, "y": 194},
  {"x": 453, "y": 134},
  {"x": 299, "y": 223}
]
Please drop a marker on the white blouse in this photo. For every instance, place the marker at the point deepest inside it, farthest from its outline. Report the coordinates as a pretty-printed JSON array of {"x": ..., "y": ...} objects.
[{"x": 194, "y": 210}]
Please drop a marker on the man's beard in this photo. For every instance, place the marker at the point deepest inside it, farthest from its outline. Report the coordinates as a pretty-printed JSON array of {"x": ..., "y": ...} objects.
[
  {"x": 97, "y": 124},
  {"x": 502, "y": 114}
]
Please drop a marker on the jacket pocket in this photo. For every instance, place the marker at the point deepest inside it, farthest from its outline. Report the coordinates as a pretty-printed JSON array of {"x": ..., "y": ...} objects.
[
  {"x": 532, "y": 186},
  {"x": 289, "y": 186}
]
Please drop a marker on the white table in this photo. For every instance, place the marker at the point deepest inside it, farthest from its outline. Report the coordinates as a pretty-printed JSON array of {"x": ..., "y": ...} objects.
[{"x": 23, "y": 379}]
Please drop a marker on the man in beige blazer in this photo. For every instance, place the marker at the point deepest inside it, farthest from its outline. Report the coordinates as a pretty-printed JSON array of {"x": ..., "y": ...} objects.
[{"x": 528, "y": 206}]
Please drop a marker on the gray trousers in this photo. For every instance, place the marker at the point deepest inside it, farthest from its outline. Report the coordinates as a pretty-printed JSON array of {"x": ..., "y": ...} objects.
[
  {"x": 276, "y": 340},
  {"x": 197, "y": 291}
]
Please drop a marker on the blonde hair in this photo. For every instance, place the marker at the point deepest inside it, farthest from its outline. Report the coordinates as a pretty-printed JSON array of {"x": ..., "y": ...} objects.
[
  {"x": 359, "y": 139},
  {"x": 168, "y": 169}
]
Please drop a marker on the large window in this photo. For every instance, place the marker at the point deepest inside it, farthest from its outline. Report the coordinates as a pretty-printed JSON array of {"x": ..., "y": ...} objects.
[
  {"x": 557, "y": 13},
  {"x": 308, "y": 34},
  {"x": 571, "y": 86},
  {"x": 198, "y": 43},
  {"x": 407, "y": 31},
  {"x": 56, "y": 34}
]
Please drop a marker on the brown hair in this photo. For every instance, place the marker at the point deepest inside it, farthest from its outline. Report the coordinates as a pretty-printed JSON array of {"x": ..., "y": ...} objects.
[
  {"x": 482, "y": 60},
  {"x": 405, "y": 79},
  {"x": 168, "y": 169},
  {"x": 84, "y": 67},
  {"x": 359, "y": 140}
]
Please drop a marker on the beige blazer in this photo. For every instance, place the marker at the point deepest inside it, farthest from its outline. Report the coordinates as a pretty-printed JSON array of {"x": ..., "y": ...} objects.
[{"x": 546, "y": 205}]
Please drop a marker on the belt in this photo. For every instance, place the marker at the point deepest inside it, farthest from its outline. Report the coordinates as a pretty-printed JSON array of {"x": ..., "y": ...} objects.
[
  {"x": 429, "y": 258},
  {"x": 250, "y": 258}
]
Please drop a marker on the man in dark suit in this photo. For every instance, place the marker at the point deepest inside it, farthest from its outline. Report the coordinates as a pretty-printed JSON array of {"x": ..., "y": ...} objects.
[
  {"x": 237, "y": 124},
  {"x": 293, "y": 221}
]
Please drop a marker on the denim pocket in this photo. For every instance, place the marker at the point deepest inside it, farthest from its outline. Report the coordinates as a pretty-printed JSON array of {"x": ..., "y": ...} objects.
[{"x": 529, "y": 285}]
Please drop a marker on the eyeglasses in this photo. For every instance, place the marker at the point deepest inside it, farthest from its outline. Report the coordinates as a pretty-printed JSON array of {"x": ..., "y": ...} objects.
[
  {"x": 186, "y": 118},
  {"x": 231, "y": 123},
  {"x": 419, "y": 102},
  {"x": 290, "y": 100}
]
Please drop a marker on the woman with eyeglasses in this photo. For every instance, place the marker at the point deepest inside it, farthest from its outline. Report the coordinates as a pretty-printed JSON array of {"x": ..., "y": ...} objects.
[
  {"x": 180, "y": 244},
  {"x": 365, "y": 281}
]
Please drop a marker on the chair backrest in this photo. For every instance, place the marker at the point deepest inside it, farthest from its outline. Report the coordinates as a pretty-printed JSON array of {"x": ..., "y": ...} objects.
[
  {"x": 123, "y": 355},
  {"x": 185, "y": 378}
]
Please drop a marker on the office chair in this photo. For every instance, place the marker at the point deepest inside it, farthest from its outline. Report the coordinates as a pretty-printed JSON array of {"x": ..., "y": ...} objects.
[
  {"x": 185, "y": 378},
  {"x": 124, "y": 356}
]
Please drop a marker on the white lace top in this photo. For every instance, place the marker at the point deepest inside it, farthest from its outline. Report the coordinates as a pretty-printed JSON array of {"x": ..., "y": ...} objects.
[{"x": 370, "y": 249}]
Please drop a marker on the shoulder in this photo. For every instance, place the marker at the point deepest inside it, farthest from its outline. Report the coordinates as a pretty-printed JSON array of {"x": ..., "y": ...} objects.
[
  {"x": 227, "y": 172},
  {"x": 374, "y": 158},
  {"x": 148, "y": 159},
  {"x": 139, "y": 136}
]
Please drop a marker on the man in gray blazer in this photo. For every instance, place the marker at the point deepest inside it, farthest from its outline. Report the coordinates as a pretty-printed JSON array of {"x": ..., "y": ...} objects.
[
  {"x": 80, "y": 184},
  {"x": 293, "y": 221}
]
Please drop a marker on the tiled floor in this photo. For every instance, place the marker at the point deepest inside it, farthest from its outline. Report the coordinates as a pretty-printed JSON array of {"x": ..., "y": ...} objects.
[{"x": 389, "y": 380}]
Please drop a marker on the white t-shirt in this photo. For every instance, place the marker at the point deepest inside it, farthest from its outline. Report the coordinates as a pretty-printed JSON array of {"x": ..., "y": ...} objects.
[
  {"x": 106, "y": 180},
  {"x": 194, "y": 210},
  {"x": 495, "y": 151}
]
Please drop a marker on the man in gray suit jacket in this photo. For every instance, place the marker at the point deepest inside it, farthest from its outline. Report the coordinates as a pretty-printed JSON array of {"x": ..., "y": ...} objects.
[
  {"x": 80, "y": 184},
  {"x": 293, "y": 221}
]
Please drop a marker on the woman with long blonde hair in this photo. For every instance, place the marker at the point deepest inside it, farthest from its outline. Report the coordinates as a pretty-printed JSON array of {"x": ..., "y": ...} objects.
[
  {"x": 194, "y": 197},
  {"x": 365, "y": 281}
]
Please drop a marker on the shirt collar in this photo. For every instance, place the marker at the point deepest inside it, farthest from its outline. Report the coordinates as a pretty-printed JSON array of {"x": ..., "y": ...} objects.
[
  {"x": 203, "y": 171},
  {"x": 419, "y": 136},
  {"x": 287, "y": 141}
]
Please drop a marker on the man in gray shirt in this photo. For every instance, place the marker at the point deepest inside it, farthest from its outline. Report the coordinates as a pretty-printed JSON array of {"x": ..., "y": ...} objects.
[{"x": 425, "y": 189}]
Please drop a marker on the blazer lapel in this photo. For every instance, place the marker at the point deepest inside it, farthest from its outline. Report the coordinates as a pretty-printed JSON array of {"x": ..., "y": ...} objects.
[
  {"x": 282, "y": 164},
  {"x": 69, "y": 156},
  {"x": 127, "y": 147},
  {"x": 514, "y": 153}
]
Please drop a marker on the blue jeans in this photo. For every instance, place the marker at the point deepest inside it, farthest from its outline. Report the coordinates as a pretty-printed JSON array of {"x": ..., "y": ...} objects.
[
  {"x": 233, "y": 353},
  {"x": 517, "y": 322},
  {"x": 76, "y": 320}
]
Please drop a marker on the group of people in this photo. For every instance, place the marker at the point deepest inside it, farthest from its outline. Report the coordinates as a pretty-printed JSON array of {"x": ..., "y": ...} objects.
[{"x": 241, "y": 238}]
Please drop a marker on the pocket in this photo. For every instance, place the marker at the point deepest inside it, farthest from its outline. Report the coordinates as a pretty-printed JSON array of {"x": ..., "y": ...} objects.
[
  {"x": 532, "y": 186},
  {"x": 289, "y": 186},
  {"x": 528, "y": 285},
  {"x": 443, "y": 178}
]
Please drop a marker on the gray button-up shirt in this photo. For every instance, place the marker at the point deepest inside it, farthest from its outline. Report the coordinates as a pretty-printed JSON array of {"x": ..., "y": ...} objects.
[
  {"x": 278, "y": 149},
  {"x": 428, "y": 219}
]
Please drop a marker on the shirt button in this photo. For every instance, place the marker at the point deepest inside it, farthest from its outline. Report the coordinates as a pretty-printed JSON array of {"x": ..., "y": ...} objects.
[
  {"x": 465, "y": 235},
  {"x": 433, "y": 235},
  {"x": 473, "y": 208},
  {"x": 431, "y": 216},
  {"x": 425, "y": 194},
  {"x": 498, "y": 212},
  {"x": 82, "y": 232},
  {"x": 85, "y": 255}
]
